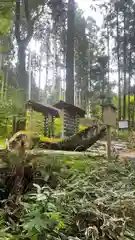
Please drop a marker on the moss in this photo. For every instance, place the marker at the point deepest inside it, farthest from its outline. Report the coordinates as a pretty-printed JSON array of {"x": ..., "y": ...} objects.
[
  {"x": 81, "y": 127},
  {"x": 46, "y": 139}
]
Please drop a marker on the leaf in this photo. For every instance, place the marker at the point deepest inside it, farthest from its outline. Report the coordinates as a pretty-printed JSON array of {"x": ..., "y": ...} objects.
[
  {"x": 37, "y": 187},
  {"x": 36, "y": 223},
  {"x": 34, "y": 237},
  {"x": 51, "y": 207}
]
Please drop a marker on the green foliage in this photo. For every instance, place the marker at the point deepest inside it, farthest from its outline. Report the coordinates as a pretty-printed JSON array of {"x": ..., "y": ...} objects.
[
  {"x": 6, "y": 17},
  {"x": 129, "y": 101},
  {"x": 91, "y": 74},
  {"x": 94, "y": 198},
  {"x": 42, "y": 214},
  {"x": 121, "y": 135},
  {"x": 37, "y": 123},
  {"x": 12, "y": 106}
]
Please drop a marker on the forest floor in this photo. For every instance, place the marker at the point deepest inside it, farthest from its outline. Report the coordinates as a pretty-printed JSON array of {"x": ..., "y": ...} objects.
[
  {"x": 82, "y": 197},
  {"x": 119, "y": 148}
]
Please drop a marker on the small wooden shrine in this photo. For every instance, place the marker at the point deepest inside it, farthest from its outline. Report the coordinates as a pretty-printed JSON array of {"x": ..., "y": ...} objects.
[
  {"x": 70, "y": 116},
  {"x": 49, "y": 112}
]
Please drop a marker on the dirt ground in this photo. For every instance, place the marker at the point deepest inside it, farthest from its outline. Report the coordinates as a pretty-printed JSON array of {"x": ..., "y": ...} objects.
[{"x": 119, "y": 149}]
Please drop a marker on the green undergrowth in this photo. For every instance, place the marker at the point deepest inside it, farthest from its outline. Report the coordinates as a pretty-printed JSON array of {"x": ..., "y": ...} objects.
[
  {"x": 91, "y": 199},
  {"x": 2, "y": 143}
]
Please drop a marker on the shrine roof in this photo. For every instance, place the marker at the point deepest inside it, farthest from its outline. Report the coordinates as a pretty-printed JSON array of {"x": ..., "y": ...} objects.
[
  {"x": 72, "y": 109},
  {"x": 44, "y": 109}
]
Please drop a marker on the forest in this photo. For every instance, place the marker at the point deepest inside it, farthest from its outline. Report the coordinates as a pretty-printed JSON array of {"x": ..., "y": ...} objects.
[
  {"x": 36, "y": 47},
  {"x": 51, "y": 51}
]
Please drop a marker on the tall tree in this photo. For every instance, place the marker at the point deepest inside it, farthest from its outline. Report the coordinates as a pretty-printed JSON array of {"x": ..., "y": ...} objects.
[
  {"x": 24, "y": 32},
  {"x": 125, "y": 58},
  {"x": 70, "y": 53},
  {"x": 121, "y": 20},
  {"x": 118, "y": 60}
]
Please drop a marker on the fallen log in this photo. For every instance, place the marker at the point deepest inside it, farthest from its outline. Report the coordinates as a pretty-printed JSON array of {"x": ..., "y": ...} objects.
[
  {"x": 78, "y": 142},
  {"x": 30, "y": 140},
  {"x": 32, "y": 154},
  {"x": 82, "y": 146},
  {"x": 78, "y": 145},
  {"x": 85, "y": 144},
  {"x": 37, "y": 153}
]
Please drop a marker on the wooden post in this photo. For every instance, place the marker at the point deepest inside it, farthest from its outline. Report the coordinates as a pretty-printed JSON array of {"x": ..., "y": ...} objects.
[{"x": 108, "y": 142}]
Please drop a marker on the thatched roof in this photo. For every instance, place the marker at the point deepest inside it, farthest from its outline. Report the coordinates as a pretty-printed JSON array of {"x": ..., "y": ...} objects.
[
  {"x": 44, "y": 109},
  {"x": 73, "y": 110}
]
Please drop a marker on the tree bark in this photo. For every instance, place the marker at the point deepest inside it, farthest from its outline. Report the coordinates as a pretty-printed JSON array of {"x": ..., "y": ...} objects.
[
  {"x": 70, "y": 53},
  {"x": 118, "y": 62},
  {"x": 22, "y": 74},
  {"x": 129, "y": 85},
  {"x": 75, "y": 143},
  {"x": 23, "y": 42},
  {"x": 125, "y": 61}
]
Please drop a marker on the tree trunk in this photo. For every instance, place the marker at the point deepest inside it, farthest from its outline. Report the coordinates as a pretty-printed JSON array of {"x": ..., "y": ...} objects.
[
  {"x": 23, "y": 43},
  {"x": 70, "y": 54},
  {"x": 118, "y": 62},
  {"x": 40, "y": 72},
  {"x": 22, "y": 74},
  {"x": 129, "y": 85},
  {"x": 47, "y": 58},
  {"x": 76, "y": 142},
  {"x": 108, "y": 50},
  {"x": 129, "y": 93},
  {"x": 56, "y": 65},
  {"x": 125, "y": 61}
]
